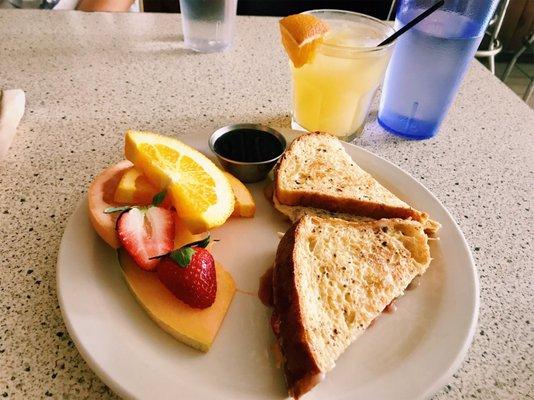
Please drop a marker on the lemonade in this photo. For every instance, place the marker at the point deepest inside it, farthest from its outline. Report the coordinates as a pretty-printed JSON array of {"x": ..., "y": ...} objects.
[{"x": 333, "y": 91}]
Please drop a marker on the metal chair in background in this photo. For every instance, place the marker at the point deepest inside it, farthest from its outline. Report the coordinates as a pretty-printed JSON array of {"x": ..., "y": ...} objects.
[
  {"x": 491, "y": 45},
  {"x": 391, "y": 10},
  {"x": 529, "y": 40}
]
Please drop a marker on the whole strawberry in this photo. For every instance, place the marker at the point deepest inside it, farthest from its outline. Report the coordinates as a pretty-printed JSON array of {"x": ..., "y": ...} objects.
[{"x": 189, "y": 273}]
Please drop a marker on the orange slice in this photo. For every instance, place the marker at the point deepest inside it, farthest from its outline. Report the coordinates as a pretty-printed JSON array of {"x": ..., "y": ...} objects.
[
  {"x": 135, "y": 188},
  {"x": 244, "y": 202},
  {"x": 301, "y": 34},
  {"x": 199, "y": 191},
  {"x": 183, "y": 236}
]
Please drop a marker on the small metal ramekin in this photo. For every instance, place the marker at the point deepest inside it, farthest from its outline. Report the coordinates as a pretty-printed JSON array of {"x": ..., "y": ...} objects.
[{"x": 247, "y": 172}]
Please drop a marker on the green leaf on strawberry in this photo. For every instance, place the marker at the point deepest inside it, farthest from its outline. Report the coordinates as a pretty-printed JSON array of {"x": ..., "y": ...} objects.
[{"x": 182, "y": 256}]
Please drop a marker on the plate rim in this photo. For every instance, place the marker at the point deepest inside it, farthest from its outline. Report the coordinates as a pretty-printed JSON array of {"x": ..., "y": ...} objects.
[
  {"x": 124, "y": 392},
  {"x": 462, "y": 353},
  {"x": 99, "y": 371}
]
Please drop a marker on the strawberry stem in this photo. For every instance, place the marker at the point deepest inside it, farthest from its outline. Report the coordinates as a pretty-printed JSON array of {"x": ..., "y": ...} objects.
[
  {"x": 111, "y": 210},
  {"x": 159, "y": 197},
  {"x": 200, "y": 243},
  {"x": 183, "y": 255}
]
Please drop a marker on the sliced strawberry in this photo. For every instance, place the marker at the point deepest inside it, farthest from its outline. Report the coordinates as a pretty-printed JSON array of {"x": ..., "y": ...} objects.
[
  {"x": 145, "y": 233},
  {"x": 189, "y": 273}
]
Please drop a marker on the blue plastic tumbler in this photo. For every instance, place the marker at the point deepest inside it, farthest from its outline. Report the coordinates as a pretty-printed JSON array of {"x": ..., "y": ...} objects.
[{"x": 429, "y": 62}]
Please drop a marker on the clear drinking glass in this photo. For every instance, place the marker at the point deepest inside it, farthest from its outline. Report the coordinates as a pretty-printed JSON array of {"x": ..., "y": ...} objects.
[
  {"x": 208, "y": 25},
  {"x": 334, "y": 91},
  {"x": 429, "y": 63}
]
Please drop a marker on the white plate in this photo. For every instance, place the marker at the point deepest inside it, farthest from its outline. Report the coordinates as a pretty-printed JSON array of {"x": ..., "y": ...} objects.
[{"x": 409, "y": 354}]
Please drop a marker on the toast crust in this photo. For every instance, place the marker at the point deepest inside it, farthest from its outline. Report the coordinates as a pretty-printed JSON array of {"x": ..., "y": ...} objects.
[
  {"x": 294, "y": 213},
  {"x": 347, "y": 205},
  {"x": 301, "y": 370}
]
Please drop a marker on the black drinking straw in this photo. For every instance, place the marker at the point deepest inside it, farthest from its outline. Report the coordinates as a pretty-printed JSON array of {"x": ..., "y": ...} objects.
[{"x": 413, "y": 22}]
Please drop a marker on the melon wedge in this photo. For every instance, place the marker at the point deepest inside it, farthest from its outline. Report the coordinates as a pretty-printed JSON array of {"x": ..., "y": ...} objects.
[
  {"x": 193, "y": 327},
  {"x": 100, "y": 196}
]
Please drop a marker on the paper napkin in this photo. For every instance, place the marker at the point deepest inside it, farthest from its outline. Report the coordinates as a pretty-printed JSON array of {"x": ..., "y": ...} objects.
[{"x": 11, "y": 110}]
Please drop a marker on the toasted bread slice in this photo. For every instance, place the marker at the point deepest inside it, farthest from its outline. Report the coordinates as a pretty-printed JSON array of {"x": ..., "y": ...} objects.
[
  {"x": 316, "y": 171},
  {"x": 294, "y": 213},
  {"x": 331, "y": 279}
]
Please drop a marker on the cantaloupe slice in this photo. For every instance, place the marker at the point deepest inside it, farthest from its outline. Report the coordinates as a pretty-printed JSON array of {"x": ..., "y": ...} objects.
[
  {"x": 100, "y": 196},
  {"x": 194, "y": 327}
]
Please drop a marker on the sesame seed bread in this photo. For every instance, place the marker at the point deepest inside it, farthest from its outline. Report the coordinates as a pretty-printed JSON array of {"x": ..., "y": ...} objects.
[
  {"x": 331, "y": 279},
  {"x": 317, "y": 172}
]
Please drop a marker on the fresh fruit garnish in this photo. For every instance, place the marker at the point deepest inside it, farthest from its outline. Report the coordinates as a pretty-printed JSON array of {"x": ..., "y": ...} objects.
[
  {"x": 194, "y": 327},
  {"x": 146, "y": 233},
  {"x": 201, "y": 194},
  {"x": 244, "y": 202},
  {"x": 157, "y": 200},
  {"x": 100, "y": 198},
  {"x": 135, "y": 188},
  {"x": 301, "y": 34},
  {"x": 189, "y": 273},
  {"x": 182, "y": 235}
]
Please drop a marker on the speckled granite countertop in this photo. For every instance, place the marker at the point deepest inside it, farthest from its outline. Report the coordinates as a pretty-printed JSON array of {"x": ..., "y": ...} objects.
[{"x": 89, "y": 77}]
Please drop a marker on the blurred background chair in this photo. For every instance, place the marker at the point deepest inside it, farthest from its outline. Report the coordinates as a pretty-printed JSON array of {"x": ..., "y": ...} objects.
[
  {"x": 513, "y": 63},
  {"x": 491, "y": 45}
]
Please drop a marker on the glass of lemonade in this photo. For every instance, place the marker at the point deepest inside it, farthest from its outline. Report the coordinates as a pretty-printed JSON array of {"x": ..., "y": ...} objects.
[{"x": 333, "y": 92}]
